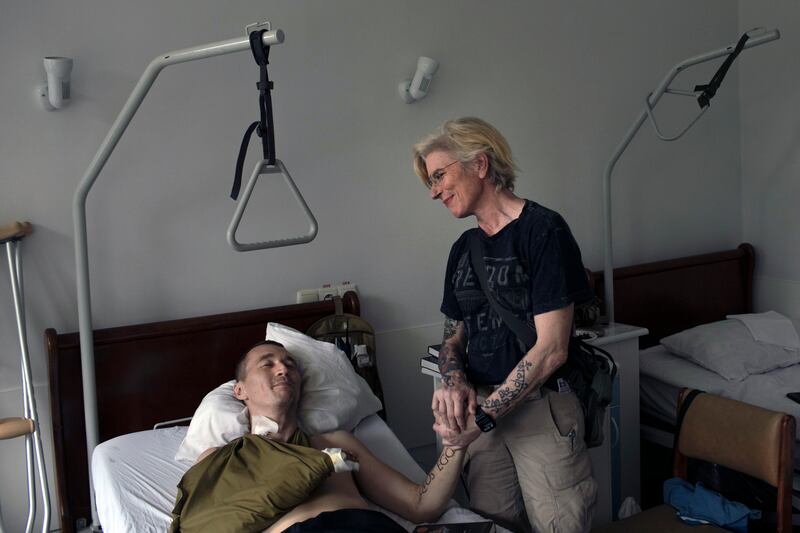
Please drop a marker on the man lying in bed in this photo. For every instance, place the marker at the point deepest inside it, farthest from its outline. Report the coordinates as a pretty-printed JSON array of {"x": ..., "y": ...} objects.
[{"x": 282, "y": 482}]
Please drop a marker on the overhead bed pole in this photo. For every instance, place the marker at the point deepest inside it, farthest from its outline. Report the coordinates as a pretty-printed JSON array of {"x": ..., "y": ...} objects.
[
  {"x": 269, "y": 38},
  {"x": 703, "y": 93}
]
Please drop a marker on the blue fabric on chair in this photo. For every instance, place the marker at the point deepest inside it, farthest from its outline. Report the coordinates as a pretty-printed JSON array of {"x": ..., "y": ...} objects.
[{"x": 696, "y": 504}]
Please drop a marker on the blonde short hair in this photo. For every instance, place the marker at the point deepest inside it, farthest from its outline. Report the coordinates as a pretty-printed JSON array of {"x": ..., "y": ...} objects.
[{"x": 465, "y": 138}]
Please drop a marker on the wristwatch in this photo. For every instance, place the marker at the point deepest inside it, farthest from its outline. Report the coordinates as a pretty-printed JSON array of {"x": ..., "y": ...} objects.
[{"x": 485, "y": 422}]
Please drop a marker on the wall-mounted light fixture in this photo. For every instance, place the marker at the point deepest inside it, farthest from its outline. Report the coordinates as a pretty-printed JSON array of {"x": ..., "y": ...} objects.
[
  {"x": 417, "y": 87},
  {"x": 55, "y": 92}
]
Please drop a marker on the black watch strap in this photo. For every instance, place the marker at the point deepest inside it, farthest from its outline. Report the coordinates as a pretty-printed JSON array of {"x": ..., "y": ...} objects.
[{"x": 485, "y": 422}]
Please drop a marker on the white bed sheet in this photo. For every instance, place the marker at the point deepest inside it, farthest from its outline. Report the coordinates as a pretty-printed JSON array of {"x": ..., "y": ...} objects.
[
  {"x": 766, "y": 390},
  {"x": 135, "y": 477},
  {"x": 662, "y": 375}
]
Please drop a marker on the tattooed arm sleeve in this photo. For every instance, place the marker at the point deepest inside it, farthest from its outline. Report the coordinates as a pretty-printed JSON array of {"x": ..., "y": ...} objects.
[
  {"x": 549, "y": 353},
  {"x": 453, "y": 353}
]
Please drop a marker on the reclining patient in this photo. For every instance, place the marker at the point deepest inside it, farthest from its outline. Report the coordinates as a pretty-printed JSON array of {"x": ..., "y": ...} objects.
[{"x": 281, "y": 480}]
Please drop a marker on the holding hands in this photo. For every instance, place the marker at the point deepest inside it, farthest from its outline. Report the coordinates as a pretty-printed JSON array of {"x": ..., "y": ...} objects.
[{"x": 454, "y": 413}]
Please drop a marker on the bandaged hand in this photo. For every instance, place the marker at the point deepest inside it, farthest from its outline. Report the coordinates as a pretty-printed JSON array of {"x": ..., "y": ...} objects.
[{"x": 342, "y": 461}]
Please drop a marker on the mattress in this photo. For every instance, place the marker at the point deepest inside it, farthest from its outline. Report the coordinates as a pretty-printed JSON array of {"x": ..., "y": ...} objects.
[
  {"x": 766, "y": 390},
  {"x": 663, "y": 374},
  {"x": 135, "y": 477}
]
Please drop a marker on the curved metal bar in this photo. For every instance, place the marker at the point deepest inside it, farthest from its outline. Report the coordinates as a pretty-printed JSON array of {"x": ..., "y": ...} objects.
[
  {"x": 755, "y": 39},
  {"x": 272, "y": 37},
  {"x": 658, "y": 130},
  {"x": 263, "y": 168}
]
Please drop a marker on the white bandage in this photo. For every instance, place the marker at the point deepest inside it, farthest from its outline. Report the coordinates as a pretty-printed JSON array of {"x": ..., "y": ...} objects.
[
  {"x": 263, "y": 426},
  {"x": 340, "y": 463}
]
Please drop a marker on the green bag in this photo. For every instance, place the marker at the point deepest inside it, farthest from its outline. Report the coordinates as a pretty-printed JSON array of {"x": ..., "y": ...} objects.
[{"x": 248, "y": 484}]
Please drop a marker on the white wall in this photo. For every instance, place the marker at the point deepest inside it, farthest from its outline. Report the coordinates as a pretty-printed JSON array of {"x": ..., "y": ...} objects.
[
  {"x": 562, "y": 80},
  {"x": 770, "y": 138}
]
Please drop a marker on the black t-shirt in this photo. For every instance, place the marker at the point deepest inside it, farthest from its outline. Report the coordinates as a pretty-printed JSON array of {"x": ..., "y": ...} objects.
[{"x": 533, "y": 266}]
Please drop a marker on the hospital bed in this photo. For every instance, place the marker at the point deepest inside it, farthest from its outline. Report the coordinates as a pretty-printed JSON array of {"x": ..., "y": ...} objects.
[
  {"x": 668, "y": 297},
  {"x": 157, "y": 372}
]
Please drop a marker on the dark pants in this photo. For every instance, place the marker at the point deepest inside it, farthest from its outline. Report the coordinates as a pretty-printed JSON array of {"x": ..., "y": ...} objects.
[{"x": 348, "y": 521}]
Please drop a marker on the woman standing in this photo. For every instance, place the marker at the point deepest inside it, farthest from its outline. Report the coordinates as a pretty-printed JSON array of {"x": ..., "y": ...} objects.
[{"x": 527, "y": 466}]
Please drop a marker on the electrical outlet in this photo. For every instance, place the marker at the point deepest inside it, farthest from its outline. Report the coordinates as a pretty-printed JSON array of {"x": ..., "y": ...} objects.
[
  {"x": 326, "y": 292},
  {"x": 346, "y": 286},
  {"x": 307, "y": 295}
]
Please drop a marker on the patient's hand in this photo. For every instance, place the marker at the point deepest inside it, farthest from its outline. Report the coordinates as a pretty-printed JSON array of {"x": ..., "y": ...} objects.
[
  {"x": 343, "y": 461},
  {"x": 455, "y": 405},
  {"x": 454, "y": 438}
]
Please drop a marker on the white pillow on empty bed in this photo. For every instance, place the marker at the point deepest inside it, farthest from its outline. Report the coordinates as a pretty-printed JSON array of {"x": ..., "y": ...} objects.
[
  {"x": 334, "y": 397},
  {"x": 728, "y": 348}
]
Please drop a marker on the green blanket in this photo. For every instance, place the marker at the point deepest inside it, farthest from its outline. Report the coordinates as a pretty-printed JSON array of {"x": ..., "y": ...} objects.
[{"x": 248, "y": 484}]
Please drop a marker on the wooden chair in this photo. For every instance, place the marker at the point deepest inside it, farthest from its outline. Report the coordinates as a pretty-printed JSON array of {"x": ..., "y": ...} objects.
[{"x": 745, "y": 438}]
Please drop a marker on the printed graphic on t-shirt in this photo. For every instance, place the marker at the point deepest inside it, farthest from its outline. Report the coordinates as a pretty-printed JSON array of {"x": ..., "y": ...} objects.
[
  {"x": 487, "y": 333},
  {"x": 533, "y": 266}
]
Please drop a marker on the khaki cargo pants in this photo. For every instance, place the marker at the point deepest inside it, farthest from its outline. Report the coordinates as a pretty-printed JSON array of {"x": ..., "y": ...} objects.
[{"x": 532, "y": 472}]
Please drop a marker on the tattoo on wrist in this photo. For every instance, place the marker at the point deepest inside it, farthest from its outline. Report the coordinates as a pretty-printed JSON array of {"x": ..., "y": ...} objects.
[
  {"x": 445, "y": 457},
  {"x": 450, "y": 367},
  {"x": 509, "y": 394},
  {"x": 454, "y": 378}
]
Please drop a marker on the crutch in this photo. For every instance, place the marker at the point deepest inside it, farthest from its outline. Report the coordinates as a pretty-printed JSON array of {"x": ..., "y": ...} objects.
[{"x": 28, "y": 425}]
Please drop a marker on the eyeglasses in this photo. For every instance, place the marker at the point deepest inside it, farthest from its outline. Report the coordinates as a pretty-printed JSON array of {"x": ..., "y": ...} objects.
[{"x": 436, "y": 177}]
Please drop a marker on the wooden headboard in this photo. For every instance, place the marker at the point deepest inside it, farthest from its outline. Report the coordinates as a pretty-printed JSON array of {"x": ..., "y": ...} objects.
[
  {"x": 669, "y": 296},
  {"x": 149, "y": 373}
]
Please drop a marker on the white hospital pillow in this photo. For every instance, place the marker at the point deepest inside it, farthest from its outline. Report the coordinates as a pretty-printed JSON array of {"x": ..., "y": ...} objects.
[
  {"x": 219, "y": 419},
  {"x": 728, "y": 348},
  {"x": 334, "y": 397}
]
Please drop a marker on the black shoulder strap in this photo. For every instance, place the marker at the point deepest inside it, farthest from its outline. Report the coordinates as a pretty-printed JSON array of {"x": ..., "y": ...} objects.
[
  {"x": 682, "y": 413},
  {"x": 710, "y": 89},
  {"x": 263, "y": 127},
  {"x": 520, "y": 329}
]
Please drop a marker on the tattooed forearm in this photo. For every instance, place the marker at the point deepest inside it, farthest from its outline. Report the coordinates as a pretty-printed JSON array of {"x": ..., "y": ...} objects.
[
  {"x": 452, "y": 354},
  {"x": 509, "y": 393},
  {"x": 449, "y": 329},
  {"x": 444, "y": 458},
  {"x": 451, "y": 380},
  {"x": 452, "y": 374},
  {"x": 449, "y": 360}
]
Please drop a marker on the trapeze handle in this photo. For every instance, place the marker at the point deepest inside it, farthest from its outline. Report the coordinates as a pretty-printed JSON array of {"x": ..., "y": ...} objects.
[{"x": 262, "y": 168}]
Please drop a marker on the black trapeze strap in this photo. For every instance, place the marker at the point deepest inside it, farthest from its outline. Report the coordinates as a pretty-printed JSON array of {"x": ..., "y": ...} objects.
[
  {"x": 710, "y": 89},
  {"x": 263, "y": 127}
]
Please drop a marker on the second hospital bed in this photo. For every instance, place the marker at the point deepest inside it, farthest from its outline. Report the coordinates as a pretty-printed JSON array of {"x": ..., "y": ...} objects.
[{"x": 672, "y": 296}]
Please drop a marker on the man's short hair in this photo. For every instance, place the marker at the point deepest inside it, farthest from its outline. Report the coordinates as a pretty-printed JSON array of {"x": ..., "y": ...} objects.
[{"x": 240, "y": 364}]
